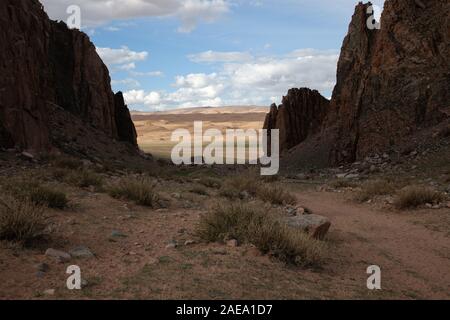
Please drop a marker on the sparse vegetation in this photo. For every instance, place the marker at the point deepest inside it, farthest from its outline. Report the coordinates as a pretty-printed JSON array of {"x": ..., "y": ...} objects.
[
  {"x": 342, "y": 183},
  {"x": 415, "y": 196},
  {"x": 275, "y": 195},
  {"x": 199, "y": 190},
  {"x": 21, "y": 221},
  {"x": 374, "y": 188},
  {"x": 210, "y": 182},
  {"x": 140, "y": 190},
  {"x": 236, "y": 186},
  {"x": 47, "y": 196},
  {"x": 85, "y": 179},
  {"x": 66, "y": 162},
  {"x": 35, "y": 192},
  {"x": 253, "y": 223}
]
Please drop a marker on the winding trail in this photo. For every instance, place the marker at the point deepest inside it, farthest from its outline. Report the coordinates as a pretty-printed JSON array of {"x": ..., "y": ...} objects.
[{"x": 414, "y": 260}]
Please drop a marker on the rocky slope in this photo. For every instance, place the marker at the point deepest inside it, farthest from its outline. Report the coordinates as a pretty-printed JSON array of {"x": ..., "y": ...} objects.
[
  {"x": 44, "y": 67},
  {"x": 391, "y": 83}
]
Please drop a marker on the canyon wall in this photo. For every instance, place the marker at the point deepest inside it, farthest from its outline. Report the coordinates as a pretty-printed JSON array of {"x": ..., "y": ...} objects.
[
  {"x": 391, "y": 83},
  {"x": 43, "y": 64}
]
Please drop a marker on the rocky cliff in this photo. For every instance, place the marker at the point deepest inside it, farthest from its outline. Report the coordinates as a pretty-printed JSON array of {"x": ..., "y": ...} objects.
[
  {"x": 391, "y": 83},
  {"x": 301, "y": 113},
  {"x": 43, "y": 64}
]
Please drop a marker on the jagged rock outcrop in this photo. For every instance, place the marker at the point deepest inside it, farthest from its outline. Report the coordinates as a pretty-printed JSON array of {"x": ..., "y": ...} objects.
[
  {"x": 391, "y": 83},
  {"x": 301, "y": 113},
  {"x": 43, "y": 64}
]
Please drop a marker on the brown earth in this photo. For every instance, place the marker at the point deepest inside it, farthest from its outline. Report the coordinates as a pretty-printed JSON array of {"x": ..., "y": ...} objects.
[{"x": 411, "y": 247}]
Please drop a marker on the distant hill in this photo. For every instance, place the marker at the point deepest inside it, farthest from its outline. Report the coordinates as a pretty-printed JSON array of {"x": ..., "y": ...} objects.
[{"x": 208, "y": 110}]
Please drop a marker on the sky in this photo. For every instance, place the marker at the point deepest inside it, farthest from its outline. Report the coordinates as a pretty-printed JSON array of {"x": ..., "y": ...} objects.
[{"x": 168, "y": 54}]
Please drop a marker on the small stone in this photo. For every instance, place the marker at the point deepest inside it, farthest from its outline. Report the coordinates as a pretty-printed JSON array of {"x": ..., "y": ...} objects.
[
  {"x": 152, "y": 261},
  {"x": 429, "y": 205},
  {"x": 27, "y": 155},
  {"x": 176, "y": 195},
  {"x": 61, "y": 256},
  {"x": 49, "y": 292},
  {"x": 84, "y": 283},
  {"x": 232, "y": 243},
  {"x": 81, "y": 252},
  {"x": 42, "y": 267},
  {"x": 171, "y": 245},
  {"x": 117, "y": 234},
  {"x": 301, "y": 211},
  {"x": 436, "y": 206},
  {"x": 189, "y": 242},
  {"x": 244, "y": 195}
]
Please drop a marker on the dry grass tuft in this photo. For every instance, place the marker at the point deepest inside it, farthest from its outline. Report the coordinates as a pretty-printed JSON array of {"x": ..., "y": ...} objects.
[
  {"x": 342, "y": 183},
  {"x": 252, "y": 223},
  {"x": 415, "y": 196},
  {"x": 200, "y": 190},
  {"x": 275, "y": 195},
  {"x": 234, "y": 187},
  {"x": 66, "y": 162},
  {"x": 33, "y": 191},
  {"x": 21, "y": 221},
  {"x": 140, "y": 190},
  {"x": 374, "y": 188},
  {"x": 85, "y": 179}
]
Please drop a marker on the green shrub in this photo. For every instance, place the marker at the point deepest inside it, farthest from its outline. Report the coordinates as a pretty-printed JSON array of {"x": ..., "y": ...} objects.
[{"x": 85, "y": 179}]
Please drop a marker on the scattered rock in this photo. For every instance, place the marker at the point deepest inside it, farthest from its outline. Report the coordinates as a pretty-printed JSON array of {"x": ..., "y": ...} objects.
[
  {"x": 84, "y": 283},
  {"x": 317, "y": 226},
  {"x": 60, "y": 256},
  {"x": 232, "y": 243},
  {"x": 244, "y": 195},
  {"x": 172, "y": 245},
  {"x": 189, "y": 242},
  {"x": 82, "y": 252},
  {"x": 117, "y": 234},
  {"x": 42, "y": 267},
  {"x": 176, "y": 195},
  {"x": 27, "y": 156},
  {"x": 49, "y": 292}
]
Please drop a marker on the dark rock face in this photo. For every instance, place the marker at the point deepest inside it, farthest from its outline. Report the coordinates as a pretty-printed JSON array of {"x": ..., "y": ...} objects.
[
  {"x": 43, "y": 63},
  {"x": 125, "y": 126},
  {"x": 391, "y": 83},
  {"x": 300, "y": 114}
]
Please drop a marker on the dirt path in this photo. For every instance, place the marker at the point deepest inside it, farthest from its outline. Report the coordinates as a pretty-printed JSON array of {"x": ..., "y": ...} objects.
[{"x": 414, "y": 260}]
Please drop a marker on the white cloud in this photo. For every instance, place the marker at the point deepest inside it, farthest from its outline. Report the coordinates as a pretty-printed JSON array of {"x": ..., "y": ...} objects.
[
  {"x": 192, "y": 12},
  {"x": 261, "y": 81},
  {"x": 120, "y": 56},
  {"x": 100, "y": 12},
  {"x": 128, "y": 82},
  {"x": 215, "y": 56},
  {"x": 147, "y": 74}
]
